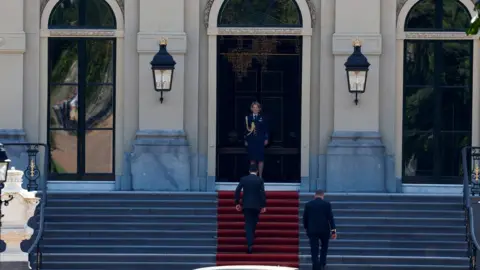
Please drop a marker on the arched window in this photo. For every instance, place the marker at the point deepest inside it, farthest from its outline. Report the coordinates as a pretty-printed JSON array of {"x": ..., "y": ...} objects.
[
  {"x": 437, "y": 94},
  {"x": 260, "y": 13},
  {"x": 81, "y": 93},
  {"x": 82, "y": 14},
  {"x": 438, "y": 15}
]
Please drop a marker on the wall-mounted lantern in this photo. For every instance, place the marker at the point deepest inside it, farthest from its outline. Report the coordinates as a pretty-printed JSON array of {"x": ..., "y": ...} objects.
[
  {"x": 357, "y": 69},
  {"x": 163, "y": 66},
  {"x": 4, "y": 166}
]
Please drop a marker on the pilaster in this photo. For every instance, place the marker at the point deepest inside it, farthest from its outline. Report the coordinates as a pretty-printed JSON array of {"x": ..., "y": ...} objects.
[
  {"x": 160, "y": 158},
  {"x": 356, "y": 155},
  {"x": 12, "y": 48},
  {"x": 161, "y": 18}
]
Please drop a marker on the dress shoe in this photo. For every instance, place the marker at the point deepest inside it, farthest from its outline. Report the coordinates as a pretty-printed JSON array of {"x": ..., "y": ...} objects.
[{"x": 249, "y": 250}]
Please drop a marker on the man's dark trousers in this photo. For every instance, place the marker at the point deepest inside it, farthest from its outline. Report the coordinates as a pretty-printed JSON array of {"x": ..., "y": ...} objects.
[
  {"x": 314, "y": 240},
  {"x": 251, "y": 219}
]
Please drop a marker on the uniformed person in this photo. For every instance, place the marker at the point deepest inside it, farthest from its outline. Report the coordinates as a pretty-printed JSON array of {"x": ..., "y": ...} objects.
[{"x": 256, "y": 136}]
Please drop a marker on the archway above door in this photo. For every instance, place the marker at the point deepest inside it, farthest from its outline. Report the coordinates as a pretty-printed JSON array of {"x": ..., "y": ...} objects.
[{"x": 305, "y": 6}]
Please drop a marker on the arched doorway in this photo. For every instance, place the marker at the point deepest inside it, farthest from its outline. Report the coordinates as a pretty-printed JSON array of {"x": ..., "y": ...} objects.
[
  {"x": 81, "y": 46},
  {"x": 438, "y": 86},
  {"x": 260, "y": 50}
]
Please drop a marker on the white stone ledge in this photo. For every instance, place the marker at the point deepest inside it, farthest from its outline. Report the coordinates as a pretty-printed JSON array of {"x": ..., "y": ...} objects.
[
  {"x": 12, "y": 43},
  {"x": 342, "y": 43},
  {"x": 148, "y": 42}
]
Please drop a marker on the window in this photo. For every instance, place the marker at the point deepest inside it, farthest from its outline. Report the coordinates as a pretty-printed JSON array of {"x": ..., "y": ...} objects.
[
  {"x": 260, "y": 13},
  {"x": 437, "y": 105},
  {"x": 81, "y": 95}
]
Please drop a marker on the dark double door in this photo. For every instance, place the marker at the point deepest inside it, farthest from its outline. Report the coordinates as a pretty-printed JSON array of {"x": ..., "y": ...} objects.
[{"x": 267, "y": 70}]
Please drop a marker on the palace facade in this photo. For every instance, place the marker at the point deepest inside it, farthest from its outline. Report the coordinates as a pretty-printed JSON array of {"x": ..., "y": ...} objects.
[{"x": 77, "y": 74}]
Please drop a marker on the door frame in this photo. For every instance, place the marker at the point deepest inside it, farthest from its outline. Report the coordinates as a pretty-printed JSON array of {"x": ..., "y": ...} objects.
[
  {"x": 213, "y": 9},
  {"x": 403, "y": 35},
  {"x": 41, "y": 100}
]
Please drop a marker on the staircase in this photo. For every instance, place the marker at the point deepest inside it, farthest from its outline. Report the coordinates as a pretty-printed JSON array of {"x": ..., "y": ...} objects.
[
  {"x": 397, "y": 232},
  {"x": 129, "y": 230}
]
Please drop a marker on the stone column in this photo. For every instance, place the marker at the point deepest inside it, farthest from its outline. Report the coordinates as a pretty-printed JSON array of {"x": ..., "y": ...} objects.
[
  {"x": 356, "y": 154},
  {"x": 161, "y": 158},
  {"x": 12, "y": 49},
  {"x": 14, "y": 224}
]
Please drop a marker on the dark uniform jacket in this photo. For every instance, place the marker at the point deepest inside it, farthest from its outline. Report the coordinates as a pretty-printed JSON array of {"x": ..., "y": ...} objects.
[
  {"x": 318, "y": 217},
  {"x": 253, "y": 192}
]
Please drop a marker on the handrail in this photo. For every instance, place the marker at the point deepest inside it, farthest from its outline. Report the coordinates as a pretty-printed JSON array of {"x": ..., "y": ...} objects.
[
  {"x": 43, "y": 186},
  {"x": 473, "y": 245}
]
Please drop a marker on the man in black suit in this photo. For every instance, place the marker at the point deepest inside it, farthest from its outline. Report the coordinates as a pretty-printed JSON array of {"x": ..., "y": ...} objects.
[
  {"x": 319, "y": 224},
  {"x": 254, "y": 201}
]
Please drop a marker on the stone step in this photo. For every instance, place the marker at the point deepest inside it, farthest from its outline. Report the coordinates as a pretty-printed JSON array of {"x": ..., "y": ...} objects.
[
  {"x": 124, "y": 265},
  {"x": 168, "y": 203},
  {"x": 341, "y": 220},
  {"x": 114, "y": 241},
  {"x": 392, "y": 260},
  {"x": 128, "y": 234},
  {"x": 197, "y": 248},
  {"x": 411, "y": 213},
  {"x": 386, "y": 266},
  {"x": 212, "y": 227},
  {"x": 129, "y": 195},
  {"x": 382, "y": 197},
  {"x": 130, "y": 211},
  {"x": 174, "y": 242},
  {"x": 128, "y": 257}
]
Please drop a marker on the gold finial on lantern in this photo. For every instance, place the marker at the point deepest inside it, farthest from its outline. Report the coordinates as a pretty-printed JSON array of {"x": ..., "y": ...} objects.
[
  {"x": 357, "y": 43},
  {"x": 163, "y": 41}
]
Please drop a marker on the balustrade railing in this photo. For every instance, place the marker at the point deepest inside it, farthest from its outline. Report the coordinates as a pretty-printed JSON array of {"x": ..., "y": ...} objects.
[
  {"x": 471, "y": 187},
  {"x": 37, "y": 181}
]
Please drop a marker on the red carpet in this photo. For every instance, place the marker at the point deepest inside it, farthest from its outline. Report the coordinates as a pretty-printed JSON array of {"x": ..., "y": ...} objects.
[{"x": 276, "y": 240}]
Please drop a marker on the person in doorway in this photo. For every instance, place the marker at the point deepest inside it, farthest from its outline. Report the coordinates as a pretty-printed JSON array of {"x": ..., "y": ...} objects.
[
  {"x": 319, "y": 225},
  {"x": 253, "y": 202},
  {"x": 256, "y": 136}
]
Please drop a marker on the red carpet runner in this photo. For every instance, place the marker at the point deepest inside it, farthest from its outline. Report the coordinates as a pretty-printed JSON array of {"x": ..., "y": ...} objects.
[{"x": 276, "y": 240}]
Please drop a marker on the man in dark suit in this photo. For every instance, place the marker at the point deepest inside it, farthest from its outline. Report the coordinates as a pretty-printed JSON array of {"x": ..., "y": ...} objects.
[
  {"x": 319, "y": 224},
  {"x": 254, "y": 201}
]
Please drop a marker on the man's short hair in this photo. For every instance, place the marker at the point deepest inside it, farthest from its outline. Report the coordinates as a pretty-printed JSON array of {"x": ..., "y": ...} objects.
[
  {"x": 253, "y": 168},
  {"x": 319, "y": 192}
]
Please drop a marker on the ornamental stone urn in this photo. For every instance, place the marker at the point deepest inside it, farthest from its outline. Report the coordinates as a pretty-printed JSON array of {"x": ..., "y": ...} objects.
[{"x": 14, "y": 228}]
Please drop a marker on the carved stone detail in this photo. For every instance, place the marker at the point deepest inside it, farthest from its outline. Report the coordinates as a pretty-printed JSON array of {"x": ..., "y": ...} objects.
[
  {"x": 208, "y": 8},
  {"x": 438, "y": 35},
  {"x": 43, "y": 3},
  {"x": 81, "y": 33},
  {"x": 259, "y": 31},
  {"x": 400, "y": 4}
]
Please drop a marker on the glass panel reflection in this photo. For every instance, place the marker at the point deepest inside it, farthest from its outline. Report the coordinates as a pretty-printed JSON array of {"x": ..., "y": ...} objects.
[
  {"x": 99, "y": 161},
  {"x": 419, "y": 103},
  {"x": 419, "y": 63},
  {"x": 259, "y": 13},
  {"x": 456, "y": 109},
  {"x": 421, "y": 16},
  {"x": 418, "y": 153},
  {"x": 456, "y": 63},
  {"x": 63, "y": 101},
  {"x": 99, "y": 106},
  {"x": 63, "y": 144},
  {"x": 98, "y": 14},
  {"x": 99, "y": 61},
  {"x": 63, "y": 57},
  {"x": 65, "y": 14},
  {"x": 455, "y": 16},
  {"x": 452, "y": 144}
]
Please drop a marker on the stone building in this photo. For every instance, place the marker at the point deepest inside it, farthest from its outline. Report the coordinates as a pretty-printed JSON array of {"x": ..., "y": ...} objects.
[{"x": 77, "y": 74}]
